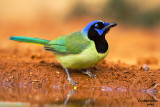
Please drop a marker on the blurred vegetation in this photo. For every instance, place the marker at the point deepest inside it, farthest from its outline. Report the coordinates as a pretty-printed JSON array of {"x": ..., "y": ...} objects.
[
  {"x": 149, "y": 18},
  {"x": 79, "y": 10},
  {"x": 119, "y": 10},
  {"x": 123, "y": 11},
  {"x": 130, "y": 14}
]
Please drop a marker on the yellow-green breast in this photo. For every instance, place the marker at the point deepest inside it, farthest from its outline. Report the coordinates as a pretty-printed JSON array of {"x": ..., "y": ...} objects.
[{"x": 85, "y": 59}]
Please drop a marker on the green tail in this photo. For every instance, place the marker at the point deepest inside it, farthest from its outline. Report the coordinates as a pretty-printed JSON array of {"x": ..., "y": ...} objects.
[{"x": 29, "y": 40}]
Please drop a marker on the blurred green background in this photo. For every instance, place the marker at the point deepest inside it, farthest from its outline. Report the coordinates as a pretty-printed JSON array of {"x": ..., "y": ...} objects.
[{"x": 144, "y": 13}]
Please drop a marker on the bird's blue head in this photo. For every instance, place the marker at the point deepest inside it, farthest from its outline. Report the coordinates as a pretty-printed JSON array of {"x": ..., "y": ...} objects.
[
  {"x": 96, "y": 31},
  {"x": 97, "y": 28}
]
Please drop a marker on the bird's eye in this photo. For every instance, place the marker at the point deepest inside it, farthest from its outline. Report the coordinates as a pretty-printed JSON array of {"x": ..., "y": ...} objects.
[
  {"x": 99, "y": 25},
  {"x": 96, "y": 26}
]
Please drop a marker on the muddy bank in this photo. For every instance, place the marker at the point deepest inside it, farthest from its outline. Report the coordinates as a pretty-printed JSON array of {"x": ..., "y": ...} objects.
[{"x": 44, "y": 74}]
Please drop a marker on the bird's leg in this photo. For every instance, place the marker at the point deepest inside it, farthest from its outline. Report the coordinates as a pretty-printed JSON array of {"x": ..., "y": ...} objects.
[
  {"x": 89, "y": 73},
  {"x": 69, "y": 78}
]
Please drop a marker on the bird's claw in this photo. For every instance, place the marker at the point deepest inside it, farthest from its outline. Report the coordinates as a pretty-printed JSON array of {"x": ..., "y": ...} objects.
[
  {"x": 72, "y": 81},
  {"x": 90, "y": 74}
]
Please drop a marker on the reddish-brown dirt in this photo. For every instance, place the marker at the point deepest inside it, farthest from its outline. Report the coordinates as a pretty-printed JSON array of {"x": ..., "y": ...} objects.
[{"x": 44, "y": 74}]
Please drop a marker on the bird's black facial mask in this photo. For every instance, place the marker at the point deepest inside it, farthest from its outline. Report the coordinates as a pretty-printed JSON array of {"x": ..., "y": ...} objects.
[{"x": 97, "y": 33}]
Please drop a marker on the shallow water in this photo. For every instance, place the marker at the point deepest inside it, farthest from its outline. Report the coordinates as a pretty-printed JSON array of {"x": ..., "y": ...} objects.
[{"x": 92, "y": 97}]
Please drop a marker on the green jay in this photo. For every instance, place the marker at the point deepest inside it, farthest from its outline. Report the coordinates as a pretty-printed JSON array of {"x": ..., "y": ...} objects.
[{"x": 78, "y": 50}]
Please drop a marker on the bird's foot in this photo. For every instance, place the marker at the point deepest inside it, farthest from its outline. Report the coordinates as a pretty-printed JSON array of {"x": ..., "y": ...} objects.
[
  {"x": 89, "y": 73},
  {"x": 71, "y": 81},
  {"x": 69, "y": 78}
]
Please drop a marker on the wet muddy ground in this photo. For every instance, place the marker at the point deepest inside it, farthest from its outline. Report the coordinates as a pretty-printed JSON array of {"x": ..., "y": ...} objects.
[
  {"x": 32, "y": 76},
  {"x": 44, "y": 74}
]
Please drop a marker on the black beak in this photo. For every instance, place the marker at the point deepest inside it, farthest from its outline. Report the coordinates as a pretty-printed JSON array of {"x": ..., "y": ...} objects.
[{"x": 110, "y": 25}]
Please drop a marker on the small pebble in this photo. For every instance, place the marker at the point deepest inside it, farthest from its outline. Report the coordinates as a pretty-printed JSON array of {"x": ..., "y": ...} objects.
[{"x": 146, "y": 68}]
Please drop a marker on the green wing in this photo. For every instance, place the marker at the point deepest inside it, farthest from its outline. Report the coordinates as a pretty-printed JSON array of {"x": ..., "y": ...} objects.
[{"x": 70, "y": 44}]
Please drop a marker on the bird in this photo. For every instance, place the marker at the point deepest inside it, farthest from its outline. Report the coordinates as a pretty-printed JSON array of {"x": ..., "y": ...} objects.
[{"x": 79, "y": 50}]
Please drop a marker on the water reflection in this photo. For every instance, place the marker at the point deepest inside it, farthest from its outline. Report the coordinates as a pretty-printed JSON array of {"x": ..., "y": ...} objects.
[{"x": 92, "y": 97}]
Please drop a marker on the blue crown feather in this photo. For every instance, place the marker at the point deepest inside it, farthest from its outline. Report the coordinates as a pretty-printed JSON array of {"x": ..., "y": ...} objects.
[
  {"x": 100, "y": 31},
  {"x": 86, "y": 29}
]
